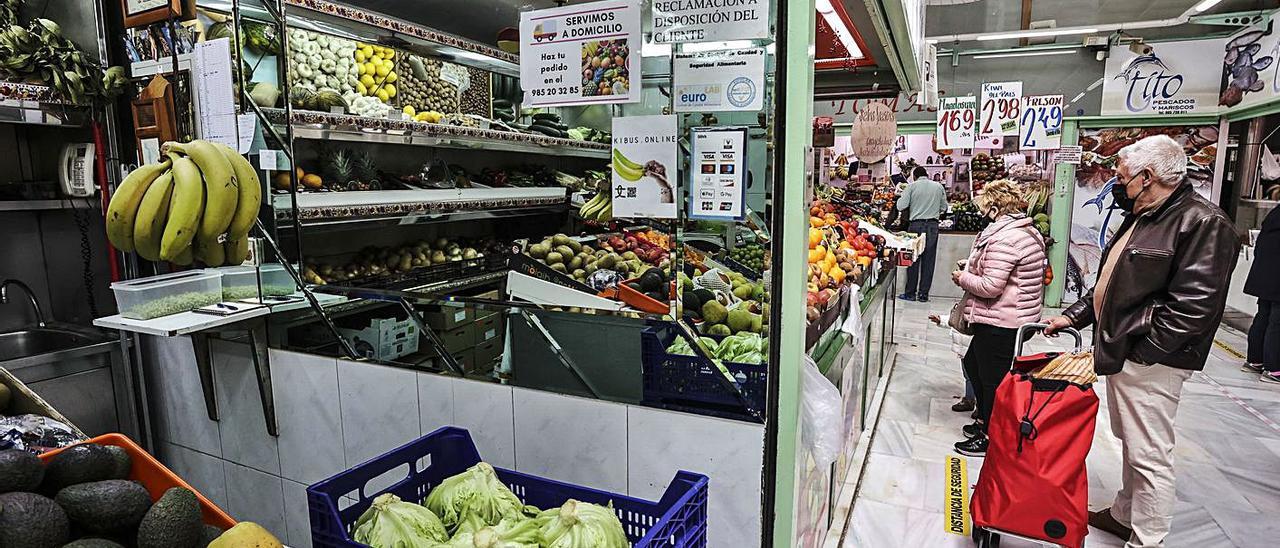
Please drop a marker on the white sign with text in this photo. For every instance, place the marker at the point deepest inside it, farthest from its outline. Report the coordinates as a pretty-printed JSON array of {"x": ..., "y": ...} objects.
[
  {"x": 999, "y": 109},
  {"x": 719, "y": 80},
  {"x": 709, "y": 20},
  {"x": 1041, "y": 123},
  {"x": 645, "y": 155},
  {"x": 957, "y": 122},
  {"x": 581, "y": 54}
]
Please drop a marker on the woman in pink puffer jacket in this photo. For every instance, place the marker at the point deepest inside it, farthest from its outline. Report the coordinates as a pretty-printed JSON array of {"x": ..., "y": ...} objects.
[{"x": 1003, "y": 282}]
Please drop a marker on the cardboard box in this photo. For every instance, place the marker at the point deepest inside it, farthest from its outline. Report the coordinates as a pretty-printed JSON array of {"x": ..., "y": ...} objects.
[
  {"x": 487, "y": 353},
  {"x": 489, "y": 328},
  {"x": 384, "y": 338},
  {"x": 458, "y": 339},
  {"x": 23, "y": 401},
  {"x": 444, "y": 318}
]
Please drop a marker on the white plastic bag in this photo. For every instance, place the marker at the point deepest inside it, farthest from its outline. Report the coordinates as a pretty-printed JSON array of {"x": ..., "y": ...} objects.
[
  {"x": 821, "y": 429},
  {"x": 1270, "y": 165},
  {"x": 852, "y": 325}
]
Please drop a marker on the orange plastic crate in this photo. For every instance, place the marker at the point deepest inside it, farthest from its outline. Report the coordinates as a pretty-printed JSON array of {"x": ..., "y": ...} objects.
[{"x": 155, "y": 477}]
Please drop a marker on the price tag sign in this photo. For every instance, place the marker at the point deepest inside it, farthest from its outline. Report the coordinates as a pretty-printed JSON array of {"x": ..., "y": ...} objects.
[
  {"x": 270, "y": 160},
  {"x": 1069, "y": 154},
  {"x": 1041, "y": 123},
  {"x": 999, "y": 110},
  {"x": 957, "y": 122},
  {"x": 456, "y": 75}
]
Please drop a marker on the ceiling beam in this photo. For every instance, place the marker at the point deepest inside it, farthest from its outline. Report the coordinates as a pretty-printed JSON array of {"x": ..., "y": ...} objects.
[{"x": 1186, "y": 17}]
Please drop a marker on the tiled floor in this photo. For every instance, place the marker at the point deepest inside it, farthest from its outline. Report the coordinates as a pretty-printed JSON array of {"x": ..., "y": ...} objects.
[{"x": 1228, "y": 459}]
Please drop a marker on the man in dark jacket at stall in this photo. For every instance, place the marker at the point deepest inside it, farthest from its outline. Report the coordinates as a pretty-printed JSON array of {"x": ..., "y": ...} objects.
[
  {"x": 1264, "y": 283},
  {"x": 1161, "y": 290}
]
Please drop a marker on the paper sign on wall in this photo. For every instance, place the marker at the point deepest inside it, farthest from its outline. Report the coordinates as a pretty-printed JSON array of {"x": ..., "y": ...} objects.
[
  {"x": 644, "y": 182},
  {"x": 719, "y": 80},
  {"x": 957, "y": 122},
  {"x": 999, "y": 109},
  {"x": 1041, "y": 123},
  {"x": 695, "y": 21},
  {"x": 581, "y": 54},
  {"x": 1069, "y": 154},
  {"x": 718, "y": 166}
]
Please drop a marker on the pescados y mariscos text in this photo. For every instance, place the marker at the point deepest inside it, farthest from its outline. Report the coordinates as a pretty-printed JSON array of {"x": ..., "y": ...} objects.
[{"x": 591, "y": 24}]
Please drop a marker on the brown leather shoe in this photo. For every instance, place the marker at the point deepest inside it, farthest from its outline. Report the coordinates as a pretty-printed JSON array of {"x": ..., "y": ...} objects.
[{"x": 1103, "y": 521}]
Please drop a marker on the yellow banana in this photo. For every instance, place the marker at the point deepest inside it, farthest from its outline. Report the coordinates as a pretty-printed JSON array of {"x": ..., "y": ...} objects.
[
  {"x": 237, "y": 249},
  {"x": 627, "y": 173},
  {"x": 185, "y": 208},
  {"x": 185, "y": 258},
  {"x": 220, "y": 185},
  {"x": 211, "y": 254},
  {"x": 152, "y": 214},
  {"x": 250, "y": 188},
  {"x": 619, "y": 158},
  {"x": 124, "y": 204}
]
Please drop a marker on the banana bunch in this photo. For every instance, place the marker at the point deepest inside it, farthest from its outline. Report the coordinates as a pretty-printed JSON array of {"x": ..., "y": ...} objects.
[
  {"x": 626, "y": 168},
  {"x": 198, "y": 202},
  {"x": 599, "y": 208}
]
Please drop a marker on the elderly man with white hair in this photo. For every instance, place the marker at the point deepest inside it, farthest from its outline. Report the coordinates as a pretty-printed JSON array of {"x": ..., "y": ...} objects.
[{"x": 1158, "y": 300}]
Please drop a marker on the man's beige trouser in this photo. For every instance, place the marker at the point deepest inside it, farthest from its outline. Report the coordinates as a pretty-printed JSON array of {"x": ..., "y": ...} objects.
[{"x": 1142, "y": 401}]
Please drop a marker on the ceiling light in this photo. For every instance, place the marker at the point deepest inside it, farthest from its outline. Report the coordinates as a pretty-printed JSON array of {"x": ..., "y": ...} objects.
[
  {"x": 841, "y": 28},
  {"x": 1026, "y": 54},
  {"x": 1036, "y": 33},
  {"x": 1204, "y": 5}
]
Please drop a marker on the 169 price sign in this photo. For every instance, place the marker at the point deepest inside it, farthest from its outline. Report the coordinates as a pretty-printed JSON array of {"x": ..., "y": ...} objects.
[{"x": 957, "y": 122}]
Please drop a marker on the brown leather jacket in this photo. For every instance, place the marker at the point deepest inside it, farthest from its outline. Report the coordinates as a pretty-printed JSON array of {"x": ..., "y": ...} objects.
[{"x": 1165, "y": 299}]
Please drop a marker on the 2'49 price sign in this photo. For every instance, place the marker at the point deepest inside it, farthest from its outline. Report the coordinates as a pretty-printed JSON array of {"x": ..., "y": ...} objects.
[
  {"x": 1041, "y": 123},
  {"x": 957, "y": 122}
]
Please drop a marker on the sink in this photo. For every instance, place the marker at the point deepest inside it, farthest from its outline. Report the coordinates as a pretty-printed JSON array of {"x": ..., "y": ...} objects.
[{"x": 25, "y": 343}]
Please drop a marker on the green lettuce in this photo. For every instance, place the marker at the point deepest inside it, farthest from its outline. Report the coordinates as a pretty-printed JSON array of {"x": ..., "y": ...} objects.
[
  {"x": 392, "y": 523},
  {"x": 476, "y": 492},
  {"x": 581, "y": 525}
]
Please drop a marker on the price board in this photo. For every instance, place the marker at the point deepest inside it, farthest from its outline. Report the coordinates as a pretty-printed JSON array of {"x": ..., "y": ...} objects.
[
  {"x": 957, "y": 122},
  {"x": 999, "y": 109},
  {"x": 1040, "y": 123}
]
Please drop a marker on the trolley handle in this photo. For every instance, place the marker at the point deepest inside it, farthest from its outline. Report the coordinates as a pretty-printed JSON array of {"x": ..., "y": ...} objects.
[{"x": 1039, "y": 328}]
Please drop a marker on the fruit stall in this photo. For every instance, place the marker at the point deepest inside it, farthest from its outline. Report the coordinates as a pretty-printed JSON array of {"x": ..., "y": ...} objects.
[{"x": 350, "y": 243}]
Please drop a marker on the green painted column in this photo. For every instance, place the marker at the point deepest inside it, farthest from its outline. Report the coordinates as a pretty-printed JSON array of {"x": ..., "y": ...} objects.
[
  {"x": 1061, "y": 206},
  {"x": 793, "y": 217}
]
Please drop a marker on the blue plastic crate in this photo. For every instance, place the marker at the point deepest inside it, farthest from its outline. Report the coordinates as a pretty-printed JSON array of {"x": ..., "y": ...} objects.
[
  {"x": 691, "y": 384},
  {"x": 678, "y": 520}
]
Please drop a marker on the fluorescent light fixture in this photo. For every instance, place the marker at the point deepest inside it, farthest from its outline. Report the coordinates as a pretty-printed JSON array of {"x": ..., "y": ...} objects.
[
  {"x": 1036, "y": 33},
  {"x": 1026, "y": 54},
  {"x": 843, "y": 34},
  {"x": 1204, "y": 5}
]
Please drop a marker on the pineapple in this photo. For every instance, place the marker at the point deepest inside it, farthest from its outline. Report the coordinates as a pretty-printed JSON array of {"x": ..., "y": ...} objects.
[
  {"x": 366, "y": 171},
  {"x": 338, "y": 171}
]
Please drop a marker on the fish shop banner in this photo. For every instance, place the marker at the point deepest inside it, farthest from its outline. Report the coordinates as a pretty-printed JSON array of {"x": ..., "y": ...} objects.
[
  {"x": 604, "y": 40},
  {"x": 709, "y": 20},
  {"x": 1249, "y": 72},
  {"x": 1172, "y": 79}
]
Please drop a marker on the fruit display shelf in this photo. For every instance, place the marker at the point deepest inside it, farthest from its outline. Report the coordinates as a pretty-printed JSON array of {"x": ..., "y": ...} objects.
[
  {"x": 326, "y": 126},
  {"x": 419, "y": 206},
  {"x": 35, "y": 104}
]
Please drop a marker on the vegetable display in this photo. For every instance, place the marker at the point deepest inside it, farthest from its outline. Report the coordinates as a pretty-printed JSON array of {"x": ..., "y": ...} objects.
[
  {"x": 40, "y": 53},
  {"x": 748, "y": 348},
  {"x": 321, "y": 62},
  {"x": 478, "y": 492},
  {"x": 581, "y": 525}
]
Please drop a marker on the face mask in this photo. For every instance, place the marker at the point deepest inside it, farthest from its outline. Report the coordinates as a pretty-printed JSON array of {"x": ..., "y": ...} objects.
[{"x": 1120, "y": 193}]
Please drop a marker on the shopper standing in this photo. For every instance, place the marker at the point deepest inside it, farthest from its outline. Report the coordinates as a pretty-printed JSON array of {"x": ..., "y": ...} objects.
[
  {"x": 1161, "y": 290},
  {"x": 1004, "y": 288},
  {"x": 927, "y": 200},
  {"x": 1264, "y": 283}
]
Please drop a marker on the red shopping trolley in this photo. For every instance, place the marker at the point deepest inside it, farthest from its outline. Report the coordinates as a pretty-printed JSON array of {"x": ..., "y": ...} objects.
[{"x": 1033, "y": 485}]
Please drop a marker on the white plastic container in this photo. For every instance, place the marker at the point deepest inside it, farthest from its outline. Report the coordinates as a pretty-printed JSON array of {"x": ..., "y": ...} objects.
[
  {"x": 147, "y": 298},
  {"x": 241, "y": 282}
]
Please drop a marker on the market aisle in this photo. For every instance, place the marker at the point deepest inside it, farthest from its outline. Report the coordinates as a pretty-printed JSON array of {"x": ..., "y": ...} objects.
[{"x": 1228, "y": 458}]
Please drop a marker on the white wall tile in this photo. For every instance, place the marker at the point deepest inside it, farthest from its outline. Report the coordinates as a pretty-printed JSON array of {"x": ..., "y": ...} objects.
[
  {"x": 435, "y": 401},
  {"x": 203, "y": 472},
  {"x": 730, "y": 453},
  {"x": 379, "y": 409},
  {"x": 307, "y": 410},
  {"x": 296, "y": 516},
  {"x": 485, "y": 409},
  {"x": 570, "y": 439},
  {"x": 176, "y": 401},
  {"x": 241, "y": 423},
  {"x": 255, "y": 496}
]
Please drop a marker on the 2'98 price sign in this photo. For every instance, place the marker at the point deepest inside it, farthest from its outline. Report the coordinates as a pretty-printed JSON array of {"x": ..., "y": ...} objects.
[
  {"x": 1041, "y": 123},
  {"x": 957, "y": 122},
  {"x": 1000, "y": 109}
]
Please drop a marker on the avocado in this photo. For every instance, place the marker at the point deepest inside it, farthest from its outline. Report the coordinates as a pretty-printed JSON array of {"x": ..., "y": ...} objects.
[
  {"x": 105, "y": 506},
  {"x": 82, "y": 463},
  {"x": 28, "y": 520},
  {"x": 208, "y": 534},
  {"x": 704, "y": 296},
  {"x": 172, "y": 522},
  {"x": 19, "y": 471},
  {"x": 652, "y": 280},
  {"x": 636, "y": 286},
  {"x": 94, "y": 543},
  {"x": 690, "y": 300},
  {"x": 123, "y": 463}
]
